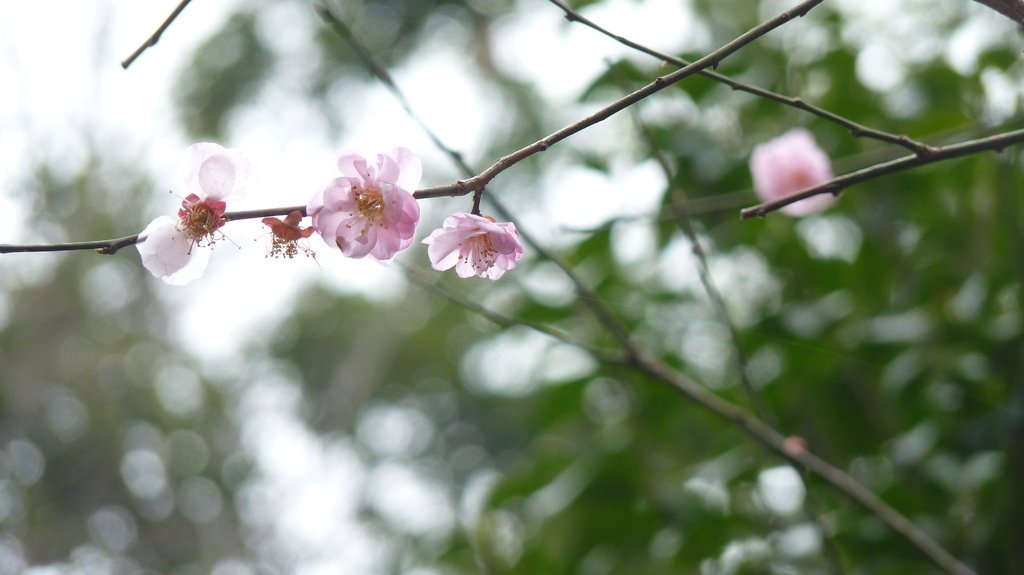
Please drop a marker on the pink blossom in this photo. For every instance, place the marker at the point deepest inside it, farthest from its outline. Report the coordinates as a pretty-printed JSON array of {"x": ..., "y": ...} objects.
[
  {"x": 177, "y": 250},
  {"x": 475, "y": 245},
  {"x": 788, "y": 164},
  {"x": 369, "y": 210}
]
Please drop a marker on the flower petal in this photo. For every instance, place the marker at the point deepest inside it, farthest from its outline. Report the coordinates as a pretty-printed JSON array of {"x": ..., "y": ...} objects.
[
  {"x": 242, "y": 169},
  {"x": 316, "y": 203},
  {"x": 193, "y": 270},
  {"x": 443, "y": 248},
  {"x": 464, "y": 267},
  {"x": 217, "y": 176},
  {"x": 410, "y": 167},
  {"x": 168, "y": 253},
  {"x": 387, "y": 169},
  {"x": 328, "y": 225},
  {"x": 195, "y": 155},
  {"x": 346, "y": 164},
  {"x": 193, "y": 172},
  {"x": 387, "y": 245},
  {"x": 354, "y": 243},
  {"x": 507, "y": 242},
  {"x": 363, "y": 171}
]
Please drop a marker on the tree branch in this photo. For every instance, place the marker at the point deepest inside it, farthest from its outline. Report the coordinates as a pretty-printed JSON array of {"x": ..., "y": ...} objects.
[
  {"x": 1012, "y": 9},
  {"x": 382, "y": 74},
  {"x": 855, "y": 129},
  {"x": 109, "y": 247},
  {"x": 837, "y": 185},
  {"x": 761, "y": 407},
  {"x": 658, "y": 370},
  {"x": 463, "y": 187},
  {"x": 502, "y": 320},
  {"x": 375, "y": 68},
  {"x": 478, "y": 182},
  {"x": 774, "y": 440},
  {"x": 156, "y": 35}
]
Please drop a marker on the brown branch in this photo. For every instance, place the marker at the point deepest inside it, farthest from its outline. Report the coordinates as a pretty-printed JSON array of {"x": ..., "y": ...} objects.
[
  {"x": 660, "y": 371},
  {"x": 757, "y": 400},
  {"x": 585, "y": 295},
  {"x": 837, "y": 185},
  {"x": 774, "y": 440},
  {"x": 1012, "y": 9},
  {"x": 264, "y": 213},
  {"x": 463, "y": 187},
  {"x": 99, "y": 246},
  {"x": 382, "y": 74},
  {"x": 478, "y": 182},
  {"x": 686, "y": 225},
  {"x": 156, "y": 35},
  {"x": 754, "y": 427},
  {"x": 855, "y": 129},
  {"x": 108, "y": 247},
  {"x": 502, "y": 320}
]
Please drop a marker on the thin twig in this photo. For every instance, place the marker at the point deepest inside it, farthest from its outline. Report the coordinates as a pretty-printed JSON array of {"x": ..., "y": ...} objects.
[
  {"x": 382, "y": 74},
  {"x": 685, "y": 223},
  {"x": 835, "y": 186},
  {"x": 502, "y": 320},
  {"x": 375, "y": 68},
  {"x": 463, "y": 187},
  {"x": 479, "y": 182},
  {"x": 855, "y": 129},
  {"x": 756, "y": 428},
  {"x": 156, "y": 35},
  {"x": 761, "y": 431},
  {"x": 1012, "y": 9},
  {"x": 768, "y": 436},
  {"x": 264, "y": 213},
  {"x": 761, "y": 407},
  {"x": 109, "y": 247}
]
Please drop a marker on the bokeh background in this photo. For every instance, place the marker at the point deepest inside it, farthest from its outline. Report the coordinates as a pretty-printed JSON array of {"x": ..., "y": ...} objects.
[{"x": 337, "y": 416}]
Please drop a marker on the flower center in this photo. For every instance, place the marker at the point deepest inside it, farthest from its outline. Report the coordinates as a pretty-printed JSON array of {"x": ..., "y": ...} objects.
[
  {"x": 199, "y": 220},
  {"x": 802, "y": 179},
  {"x": 370, "y": 203},
  {"x": 484, "y": 255}
]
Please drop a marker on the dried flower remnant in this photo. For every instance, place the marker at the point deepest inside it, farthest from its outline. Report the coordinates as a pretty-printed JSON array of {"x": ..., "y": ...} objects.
[
  {"x": 287, "y": 234},
  {"x": 369, "y": 211},
  {"x": 475, "y": 245},
  {"x": 785, "y": 165}
]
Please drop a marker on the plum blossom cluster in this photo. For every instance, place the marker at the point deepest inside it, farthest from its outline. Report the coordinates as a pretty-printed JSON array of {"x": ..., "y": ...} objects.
[{"x": 368, "y": 211}]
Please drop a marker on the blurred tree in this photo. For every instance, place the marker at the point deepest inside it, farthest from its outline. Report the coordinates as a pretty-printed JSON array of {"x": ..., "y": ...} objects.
[
  {"x": 114, "y": 447},
  {"x": 405, "y": 433}
]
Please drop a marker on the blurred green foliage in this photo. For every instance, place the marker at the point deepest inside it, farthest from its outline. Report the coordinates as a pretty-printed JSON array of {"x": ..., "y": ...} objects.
[{"x": 886, "y": 332}]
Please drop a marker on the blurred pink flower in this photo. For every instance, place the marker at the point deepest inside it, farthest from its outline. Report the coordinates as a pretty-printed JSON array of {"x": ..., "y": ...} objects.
[
  {"x": 790, "y": 163},
  {"x": 369, "y": 210},
  {"x": 175, "y": 250},
  {"x": 475, "y": 245}
]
